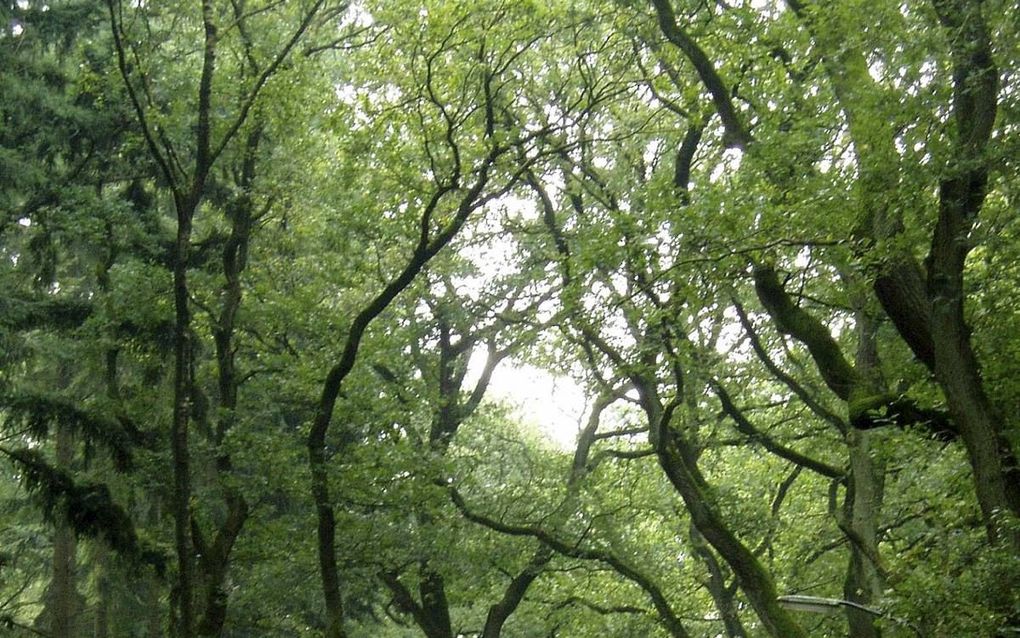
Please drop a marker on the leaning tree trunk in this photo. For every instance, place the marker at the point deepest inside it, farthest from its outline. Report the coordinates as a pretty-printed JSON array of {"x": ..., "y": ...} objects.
[{"x": 677, "y": 459}]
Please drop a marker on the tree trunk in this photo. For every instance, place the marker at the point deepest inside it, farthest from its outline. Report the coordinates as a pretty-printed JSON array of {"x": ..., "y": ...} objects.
[
  {"x": 154, "y": 621},
  {"x": 428, "y": 246},
  {"x": 996, "y": 474},
  {"x": 724, "y": 597},
  {"x": 962, "y": 194},
  {"x": 61, "y": 611},
  {"x": 214, "y": 561},
  {"x": 863, "y": 584},
  {"x": 676, "y": 457},
  {"x": 432, "y": 590},
  {"x": 500, "y": 612},
  {"x": 179, "y": 426},
  {"x": 101, "y": 620},
  {"x": 755, "y": 581},
  {"x": 214, "y": 564},
  {"x": 329, "y": 571}
]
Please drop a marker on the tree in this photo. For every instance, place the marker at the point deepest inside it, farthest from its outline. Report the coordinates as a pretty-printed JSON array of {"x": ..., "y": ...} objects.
[
  {"x": 926, "y": 305},
  {"x": 469, "y": 134},
  {"x": 262, "y": 259},
  {"x": 186, "y": 156}
]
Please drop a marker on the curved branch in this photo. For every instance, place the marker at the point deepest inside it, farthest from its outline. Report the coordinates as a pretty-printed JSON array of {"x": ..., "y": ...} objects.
[
  {"x": 790, "y": 319},
  {"x": 813, "y": 404},
  {"x": 736, "y": 134},
  {"x": 267, "y": 73},
  {"x": 745, "y": 426},
  {"x": 671, "y": 621},
  {"x": 143, "y": 121}
]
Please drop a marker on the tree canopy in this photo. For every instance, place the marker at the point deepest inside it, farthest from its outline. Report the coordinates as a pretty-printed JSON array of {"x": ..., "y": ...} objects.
[{"x": 267, "y": 265}]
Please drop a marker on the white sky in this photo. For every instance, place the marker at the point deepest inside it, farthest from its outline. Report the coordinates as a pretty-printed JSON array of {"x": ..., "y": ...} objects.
[{"x": 555, "y": 404}]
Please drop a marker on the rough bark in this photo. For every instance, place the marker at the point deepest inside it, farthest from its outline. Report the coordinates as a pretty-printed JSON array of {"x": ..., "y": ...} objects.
[
  {"x": 869, "y": 405},
  {"x": 900, "y": 287},
  {"x": 961, "y": 196},
  {"x": 927, "y": 308},
  {"x": 863, "y": 583}
]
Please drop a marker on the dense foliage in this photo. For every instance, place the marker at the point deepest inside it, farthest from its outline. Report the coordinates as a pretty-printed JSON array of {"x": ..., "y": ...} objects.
[{"x": 268, "y": 265}]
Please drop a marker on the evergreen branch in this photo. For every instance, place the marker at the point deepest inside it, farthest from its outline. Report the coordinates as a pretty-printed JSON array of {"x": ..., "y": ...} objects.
[
  {"x": 88, "y": 508},
  {"x": 39, "y": 414},
  {"x": 46, "y": 312}
]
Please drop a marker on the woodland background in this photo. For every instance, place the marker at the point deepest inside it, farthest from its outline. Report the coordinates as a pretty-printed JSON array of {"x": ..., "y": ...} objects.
[{"x": 260, "y": 259}]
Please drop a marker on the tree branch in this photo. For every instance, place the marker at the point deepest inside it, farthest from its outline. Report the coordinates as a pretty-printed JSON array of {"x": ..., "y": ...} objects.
[
  {"x": 745, "y": 426},
  {"x": 736, "y": 134}
]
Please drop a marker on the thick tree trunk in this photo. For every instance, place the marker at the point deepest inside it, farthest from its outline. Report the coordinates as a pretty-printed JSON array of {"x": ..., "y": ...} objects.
[
  {"x": 927, "y": 309},
  {"x": 864, "y": 489},
  {"x": 899, "y": 287},
  {"x": 863, "y": 584},
  {"x": 179, "y": 427},
  {"x": 432, "y": 590},
  {"x": 186, "y": 204},
  {"x": 996, "y": 474},
  {"x": 992, "y": 461},
  {"x": 63, "y": 604},
  {"x": 961, "y": 196}
]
